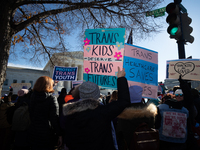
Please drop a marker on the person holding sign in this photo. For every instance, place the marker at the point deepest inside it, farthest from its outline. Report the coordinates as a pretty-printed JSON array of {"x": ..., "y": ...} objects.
[{"x": 88, "y": 122}]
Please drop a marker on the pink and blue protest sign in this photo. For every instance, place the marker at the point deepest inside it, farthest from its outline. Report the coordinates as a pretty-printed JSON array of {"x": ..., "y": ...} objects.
[
  {"x": 103, "y": 53},
  {"x": 141, "y": 66}
]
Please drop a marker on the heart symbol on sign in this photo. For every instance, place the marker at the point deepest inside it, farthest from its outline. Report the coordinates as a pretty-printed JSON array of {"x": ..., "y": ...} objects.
[{"x": 184, "y": 68}]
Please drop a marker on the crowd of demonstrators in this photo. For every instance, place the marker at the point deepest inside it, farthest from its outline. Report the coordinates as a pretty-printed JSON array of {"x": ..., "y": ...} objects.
[
  {"x": 137, "y": 113},
  {"x": 80, "y": 120}
]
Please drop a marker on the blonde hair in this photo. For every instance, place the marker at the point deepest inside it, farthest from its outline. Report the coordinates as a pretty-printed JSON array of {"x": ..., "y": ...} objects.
[{"x": 44, "y": 84}]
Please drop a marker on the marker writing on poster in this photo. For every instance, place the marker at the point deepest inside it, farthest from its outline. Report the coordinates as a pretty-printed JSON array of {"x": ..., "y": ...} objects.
[
  {"x": 139, "y": 53},
  {"x": 99, "y": 38}
]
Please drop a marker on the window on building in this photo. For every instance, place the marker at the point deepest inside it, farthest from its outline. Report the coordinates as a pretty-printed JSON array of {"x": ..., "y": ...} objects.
[
  {"x": 31, "y": 83},
  {"x": 23, "y": 81},
  {"x": 14, "y": 81},
  {"x": 5, "y": 82}
]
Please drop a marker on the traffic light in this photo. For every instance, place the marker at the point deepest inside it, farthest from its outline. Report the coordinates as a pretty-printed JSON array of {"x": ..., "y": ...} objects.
[
  {"x": 186, "y": 28},
  {"x": 173, "y": 20}
]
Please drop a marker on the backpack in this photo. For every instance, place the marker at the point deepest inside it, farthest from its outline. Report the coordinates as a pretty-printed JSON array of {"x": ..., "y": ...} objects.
[
  {"x": 21, "y": 119},
  {"x": 144, "y": 138}
]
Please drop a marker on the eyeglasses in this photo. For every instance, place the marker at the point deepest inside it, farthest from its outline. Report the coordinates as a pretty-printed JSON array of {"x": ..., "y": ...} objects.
[{"x": 178, "y": 95}]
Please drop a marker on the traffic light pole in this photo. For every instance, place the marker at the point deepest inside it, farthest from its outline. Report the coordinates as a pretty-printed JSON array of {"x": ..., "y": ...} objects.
[{"x": 181, "y": 41}]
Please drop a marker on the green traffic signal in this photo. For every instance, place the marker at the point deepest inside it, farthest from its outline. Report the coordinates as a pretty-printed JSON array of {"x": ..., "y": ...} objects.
[{"x": 174, "y": 30}]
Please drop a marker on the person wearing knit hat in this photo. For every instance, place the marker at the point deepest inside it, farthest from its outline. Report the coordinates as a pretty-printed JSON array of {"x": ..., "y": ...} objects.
[
  {"x": 89, "y": 90},
  {"x": 88, "y": 122},
  {"x": 22, "y": 92},
  {"x": 135, "y": 93}
]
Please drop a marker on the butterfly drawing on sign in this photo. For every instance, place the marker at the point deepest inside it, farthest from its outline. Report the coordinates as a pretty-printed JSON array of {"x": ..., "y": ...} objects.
[{"x": 184, "y": 68}]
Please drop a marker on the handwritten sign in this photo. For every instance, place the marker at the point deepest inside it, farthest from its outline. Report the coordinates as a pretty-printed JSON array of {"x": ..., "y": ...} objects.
[
  {"x": 64, "y": 73},
  {"x": 188, "y": 69},
  {"x": 18, "y": 86},
  {"x": 103, "y": 53},
  {"x": 141, "y": 66}
]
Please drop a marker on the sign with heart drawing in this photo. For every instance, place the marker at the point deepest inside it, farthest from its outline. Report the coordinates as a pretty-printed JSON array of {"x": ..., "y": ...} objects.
[{"x": 188, "y": 68}]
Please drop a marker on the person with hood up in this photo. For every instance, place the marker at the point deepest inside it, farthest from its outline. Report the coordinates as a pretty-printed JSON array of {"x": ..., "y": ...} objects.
[
  {"x": 44, "y": 113},
  {"x": 88, "y": 122},
  {"x": 136, "y": 114}
]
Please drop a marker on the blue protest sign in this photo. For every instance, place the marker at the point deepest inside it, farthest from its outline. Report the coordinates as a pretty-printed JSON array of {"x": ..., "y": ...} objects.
[{"x": 64, "y": 73}]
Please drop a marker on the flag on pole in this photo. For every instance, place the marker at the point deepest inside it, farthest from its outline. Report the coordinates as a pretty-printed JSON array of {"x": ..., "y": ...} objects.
[{"x": 130, "y": 39}]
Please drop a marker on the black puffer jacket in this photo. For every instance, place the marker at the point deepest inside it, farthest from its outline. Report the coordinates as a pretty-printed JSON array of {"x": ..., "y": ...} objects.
[{"x": 44, "y": 112}]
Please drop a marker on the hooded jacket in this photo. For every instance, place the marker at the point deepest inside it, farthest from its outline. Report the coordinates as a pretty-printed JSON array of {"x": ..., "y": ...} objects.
[
  {"x": 88, "y": 123},
  {"x": 132, "y": 117},
  {"x": 44, "y": 126}
]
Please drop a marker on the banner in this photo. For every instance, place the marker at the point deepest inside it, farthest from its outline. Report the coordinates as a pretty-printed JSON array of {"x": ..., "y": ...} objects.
[
  {"x": 141, "y": 66},
  {"x": 103, "y": 53},
  {"x": 64, "y": 73},
  {"x": 188, "y": 69},
  {"x": 18, "y": 86}
]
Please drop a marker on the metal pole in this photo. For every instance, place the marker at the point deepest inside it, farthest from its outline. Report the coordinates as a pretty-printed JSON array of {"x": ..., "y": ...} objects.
[{"x": 181, "y": 41}]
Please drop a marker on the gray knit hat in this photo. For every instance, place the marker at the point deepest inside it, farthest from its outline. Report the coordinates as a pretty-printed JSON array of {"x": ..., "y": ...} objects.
[{"x": 89, "y": 90}]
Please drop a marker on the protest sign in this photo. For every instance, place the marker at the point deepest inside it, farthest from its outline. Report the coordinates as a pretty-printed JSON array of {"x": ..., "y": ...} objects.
[
  {"x": 64, "y": 73},
  {"x": 18, "y": 86},
  {"x": 103, "y": 53},
  {"x": 188, "y": 69},
  {"x": 141, "y": 66},
  {"x": 75, "y": 83}
]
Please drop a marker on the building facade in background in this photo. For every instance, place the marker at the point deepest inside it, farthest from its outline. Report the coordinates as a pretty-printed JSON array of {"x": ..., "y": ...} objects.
[{"x": 25, "y": 75}]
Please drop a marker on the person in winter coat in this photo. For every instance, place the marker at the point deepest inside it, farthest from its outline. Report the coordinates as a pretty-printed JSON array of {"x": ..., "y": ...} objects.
[
  {"x": 6, "y": 134},
  {"x": 184, "y": 95},
  {"x": 88, "y": 122},
  {"x": 44, "y": 111},
  {"x": 196, "y": 97},
  {"x": 136, "y": 114},
  {"x": 172, "y": 122},
  {"x": 21, "y": 137}
]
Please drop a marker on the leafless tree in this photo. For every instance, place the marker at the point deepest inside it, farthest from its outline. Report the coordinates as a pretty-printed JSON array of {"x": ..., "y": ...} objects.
[{"x": 36, "y": 28}]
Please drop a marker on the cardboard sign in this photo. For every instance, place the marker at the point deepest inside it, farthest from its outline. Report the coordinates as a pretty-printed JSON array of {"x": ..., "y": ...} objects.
[
  {"x": 18, "y": 86},
  {"x": 141, "y": 66},
  {"x": 64, "y": 73},
  {"x": 188, "y": 69},
  {"x": 103, "y": 53}
]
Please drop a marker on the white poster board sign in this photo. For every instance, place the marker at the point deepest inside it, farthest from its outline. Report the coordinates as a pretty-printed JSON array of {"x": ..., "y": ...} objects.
[
  {"x": 188, "y": 69},
  {"x": 18, "y": 86}
]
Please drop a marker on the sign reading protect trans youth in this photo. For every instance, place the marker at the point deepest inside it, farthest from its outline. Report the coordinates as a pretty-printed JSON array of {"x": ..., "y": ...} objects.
[
  {"x": 64, "y": 73},
  {"x": 103, "y": 53},
  {"x": 141, "y": 66}
]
